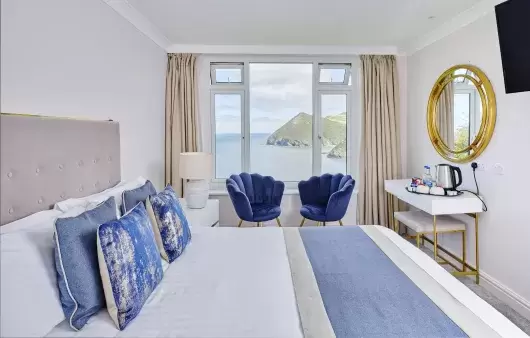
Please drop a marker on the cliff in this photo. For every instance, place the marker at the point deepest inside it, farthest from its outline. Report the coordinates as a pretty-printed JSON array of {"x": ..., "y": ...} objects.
[{"x": 297, "y": 132}]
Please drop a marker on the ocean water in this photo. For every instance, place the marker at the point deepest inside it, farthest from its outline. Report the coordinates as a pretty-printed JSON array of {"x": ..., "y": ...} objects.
[{"x": 283, "y": 163}]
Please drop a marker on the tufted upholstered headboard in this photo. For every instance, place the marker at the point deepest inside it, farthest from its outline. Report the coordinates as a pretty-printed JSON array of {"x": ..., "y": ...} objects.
[{"x": 44, "y": 160}]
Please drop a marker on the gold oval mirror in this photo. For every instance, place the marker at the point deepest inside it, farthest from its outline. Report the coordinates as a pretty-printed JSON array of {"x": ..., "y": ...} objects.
[{"x": 461, "y": 113}]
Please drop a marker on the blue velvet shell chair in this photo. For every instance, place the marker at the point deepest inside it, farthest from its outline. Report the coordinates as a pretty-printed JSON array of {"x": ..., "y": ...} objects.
[
  {"x": 325, "y": 198},
  {"x": 256, "y": 198}
]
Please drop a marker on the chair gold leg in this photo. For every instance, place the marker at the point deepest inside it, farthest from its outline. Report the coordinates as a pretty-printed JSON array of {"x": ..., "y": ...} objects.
[
  {"x": 239, "y": 224},
  {"x": 303, "y": 220},
  {"x": 340, "y": 222},
  {"x": 396, "y": 225},
  {"x": 318, "y": 224},
  {"x": 258, "y": 224},
  {"x": 278, "y": 221},
  {"x": 323, "y": 223}
]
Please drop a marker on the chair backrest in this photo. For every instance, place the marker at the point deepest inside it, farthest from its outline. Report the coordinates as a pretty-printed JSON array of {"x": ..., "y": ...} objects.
[
  {"x": 318, "y": 189},
  {"x": 258, "y": 189}
]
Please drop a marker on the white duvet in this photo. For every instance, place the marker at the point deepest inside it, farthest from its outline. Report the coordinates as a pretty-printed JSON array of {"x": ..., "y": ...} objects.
[
  {"x": 230, "y": 282},
  {"x": 236, "y": 282}
]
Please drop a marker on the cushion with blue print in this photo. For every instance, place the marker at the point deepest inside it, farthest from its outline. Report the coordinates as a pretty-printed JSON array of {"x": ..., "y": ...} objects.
[
  {"x": 130, "y": 264},
  {"x": 172, "y": 232}
]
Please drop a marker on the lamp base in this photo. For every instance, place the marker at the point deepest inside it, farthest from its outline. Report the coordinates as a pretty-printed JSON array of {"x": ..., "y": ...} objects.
[{"x": 196, "y": 194}]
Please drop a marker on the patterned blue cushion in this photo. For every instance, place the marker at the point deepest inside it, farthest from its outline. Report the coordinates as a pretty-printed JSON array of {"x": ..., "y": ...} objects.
[
  {"x": 170, "y": 225},
  {"x": 132, "y": 197},
  {"x": 129, "y": 263},
  {"x": 76, "y": 262}
]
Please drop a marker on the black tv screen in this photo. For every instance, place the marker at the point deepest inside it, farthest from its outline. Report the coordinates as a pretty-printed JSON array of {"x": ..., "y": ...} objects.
[{"x": 513, "y": 25}]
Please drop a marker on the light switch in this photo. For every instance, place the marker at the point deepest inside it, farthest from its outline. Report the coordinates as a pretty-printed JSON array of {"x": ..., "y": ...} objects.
[{"x": 498, "y": 169}]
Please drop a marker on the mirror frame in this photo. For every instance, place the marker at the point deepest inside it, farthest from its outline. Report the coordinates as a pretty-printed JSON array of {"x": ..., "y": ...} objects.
[{"x": 489, "y": 114}]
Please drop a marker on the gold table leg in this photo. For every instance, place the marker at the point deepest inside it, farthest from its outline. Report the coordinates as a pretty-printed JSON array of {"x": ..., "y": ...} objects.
[
  {"x": 477, "y": 280},
  {"x": 418, "y": 240},
  {"x": 435, "y": 235},
  {"x": 464, "y": 268}
]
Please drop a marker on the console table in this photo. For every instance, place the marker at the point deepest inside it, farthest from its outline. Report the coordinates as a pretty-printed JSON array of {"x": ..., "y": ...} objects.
[{"x": 435, "y": 206}]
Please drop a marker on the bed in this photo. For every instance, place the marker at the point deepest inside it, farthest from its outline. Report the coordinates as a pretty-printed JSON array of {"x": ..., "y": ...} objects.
[{"x": 230, "y": 282}]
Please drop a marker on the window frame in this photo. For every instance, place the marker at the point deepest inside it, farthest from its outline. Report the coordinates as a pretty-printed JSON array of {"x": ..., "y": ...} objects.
[{"x": 351, "y": 90}]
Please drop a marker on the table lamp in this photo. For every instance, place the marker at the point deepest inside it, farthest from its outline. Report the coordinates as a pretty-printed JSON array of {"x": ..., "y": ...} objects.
[{"x": 196, "y": 170}]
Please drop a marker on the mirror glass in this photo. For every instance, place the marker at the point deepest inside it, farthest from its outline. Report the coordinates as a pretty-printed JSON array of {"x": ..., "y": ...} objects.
[
  {"x": 459, "y": 111},
  {"x": 459, "y": 99}
]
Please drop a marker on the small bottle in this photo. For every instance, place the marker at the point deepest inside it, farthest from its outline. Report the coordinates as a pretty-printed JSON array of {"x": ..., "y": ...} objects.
[{"x": 427, "y": 178}]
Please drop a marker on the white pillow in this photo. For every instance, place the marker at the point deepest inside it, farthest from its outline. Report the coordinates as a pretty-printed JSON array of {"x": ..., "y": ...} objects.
[
  {"x": 30, "y": 304},
  {"x": 115, "y": 191},
  {"x": 30, "y": 221}
]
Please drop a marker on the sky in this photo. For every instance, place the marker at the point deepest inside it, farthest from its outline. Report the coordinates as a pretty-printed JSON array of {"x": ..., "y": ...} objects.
[{"x": 278, "y": 92}]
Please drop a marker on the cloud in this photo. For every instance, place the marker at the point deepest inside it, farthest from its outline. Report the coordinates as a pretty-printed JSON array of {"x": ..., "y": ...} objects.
[{"x": 277, "y": 93}]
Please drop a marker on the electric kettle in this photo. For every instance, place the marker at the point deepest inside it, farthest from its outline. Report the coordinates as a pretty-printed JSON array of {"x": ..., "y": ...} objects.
[{"x": 446, "y": 176}]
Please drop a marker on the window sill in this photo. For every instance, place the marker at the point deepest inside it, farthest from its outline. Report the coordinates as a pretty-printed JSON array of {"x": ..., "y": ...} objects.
[{"x": 223, "y": 192}]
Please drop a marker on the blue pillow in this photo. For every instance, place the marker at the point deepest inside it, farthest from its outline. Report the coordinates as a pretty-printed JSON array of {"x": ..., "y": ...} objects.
[
  {"x": 132, "y": 197},
  {"x": 130, "y": 264},
  {"x": 170, "y": 225},
  {"x": 76, "y": 262}
]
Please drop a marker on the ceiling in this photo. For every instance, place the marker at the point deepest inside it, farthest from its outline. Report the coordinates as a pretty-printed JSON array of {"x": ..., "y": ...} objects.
[{"x": 298, "y": 22}]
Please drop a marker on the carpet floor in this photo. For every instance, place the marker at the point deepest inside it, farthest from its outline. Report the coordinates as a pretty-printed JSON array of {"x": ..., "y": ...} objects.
[{"x": 522, "y": 322}]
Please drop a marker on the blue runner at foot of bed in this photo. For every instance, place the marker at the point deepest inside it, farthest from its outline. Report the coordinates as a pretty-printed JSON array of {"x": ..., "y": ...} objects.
[{"x": 365, "y": 294}]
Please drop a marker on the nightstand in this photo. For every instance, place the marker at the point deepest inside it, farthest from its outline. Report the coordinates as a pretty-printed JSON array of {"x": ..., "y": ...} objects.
[{"x": 205, "y": 217}]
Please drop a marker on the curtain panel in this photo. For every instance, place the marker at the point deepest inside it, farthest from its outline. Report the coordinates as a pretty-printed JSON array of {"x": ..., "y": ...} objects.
[
  {"x": 182, "y": 129},
  {"x": 380, "y": 145}
]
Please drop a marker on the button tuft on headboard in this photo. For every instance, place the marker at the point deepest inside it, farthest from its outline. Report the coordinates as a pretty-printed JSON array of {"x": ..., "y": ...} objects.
[
  {"x": 61, "y": 167},
  {"x": 37, "y": 170},
  {"x": 80, "y": 163},
  {"x": 11, "y": 210},
  {"x": 40, "y": 201},
  {"x": 80, "y": 188},
  {"x": 10, "y": 174},
  {"x": 110, "y": 158},
  {"x": 63, "y": 195}
]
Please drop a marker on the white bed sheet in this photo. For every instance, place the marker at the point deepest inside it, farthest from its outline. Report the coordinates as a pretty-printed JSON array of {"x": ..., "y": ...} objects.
[{"x": 230, "y": 282}]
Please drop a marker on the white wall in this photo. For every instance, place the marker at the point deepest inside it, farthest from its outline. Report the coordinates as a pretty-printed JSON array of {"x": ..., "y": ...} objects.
[
  {"x": 80, "y": 58},
  {"x": 505, "y": 229}
]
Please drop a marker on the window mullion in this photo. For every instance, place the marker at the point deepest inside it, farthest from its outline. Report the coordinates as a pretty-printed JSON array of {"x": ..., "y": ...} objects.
[
  {"x": 246, "y": 119},
  {"x": 317, "y": 133}
]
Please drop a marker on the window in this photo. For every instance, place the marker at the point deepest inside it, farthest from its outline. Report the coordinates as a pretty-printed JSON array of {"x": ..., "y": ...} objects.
[
  {"x": 334, "y": 74},
  {"x": 227, "y": 73},
  {"x": 289, "y": 120}
]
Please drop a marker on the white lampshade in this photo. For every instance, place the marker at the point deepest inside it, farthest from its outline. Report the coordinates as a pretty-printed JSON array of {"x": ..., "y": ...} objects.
[{"x": 195, "y": 166}]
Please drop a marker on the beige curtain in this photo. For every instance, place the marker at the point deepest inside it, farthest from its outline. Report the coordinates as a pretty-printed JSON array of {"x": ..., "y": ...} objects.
[
  {"x": 181, "y": 113},
  {"x": 381, "y": 153},
  {"x": 445, "y": 114}
]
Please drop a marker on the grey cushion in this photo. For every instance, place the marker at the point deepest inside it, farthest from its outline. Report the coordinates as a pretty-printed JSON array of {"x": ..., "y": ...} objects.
[
  {"x": 140, "y": 194},
  {"x": 76, "y": 262}
]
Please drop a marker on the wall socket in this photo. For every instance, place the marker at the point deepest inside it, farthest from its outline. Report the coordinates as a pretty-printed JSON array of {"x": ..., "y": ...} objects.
[{"x": 481, "y": 166}]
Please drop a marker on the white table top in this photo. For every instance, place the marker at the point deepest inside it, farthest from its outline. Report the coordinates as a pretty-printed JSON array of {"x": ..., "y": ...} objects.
[{"x": 434, "y": 205}]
